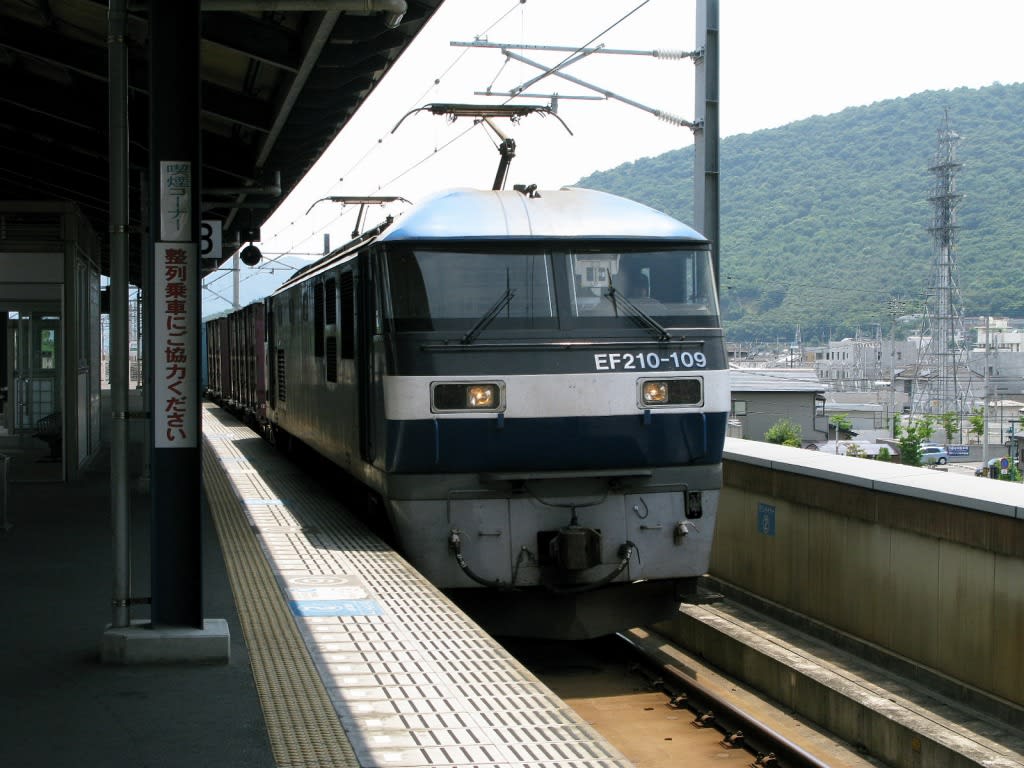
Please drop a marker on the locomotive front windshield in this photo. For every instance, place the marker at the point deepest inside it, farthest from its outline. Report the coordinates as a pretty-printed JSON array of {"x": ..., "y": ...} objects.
[
  {"x": 677, "y": 286},
  {"x": 600, "y": 288},
  {"x": 445, "y": 290}
]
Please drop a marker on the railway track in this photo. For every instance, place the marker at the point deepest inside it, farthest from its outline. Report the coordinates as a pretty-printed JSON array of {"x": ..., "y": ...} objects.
[{"x": 661, "y": 707}]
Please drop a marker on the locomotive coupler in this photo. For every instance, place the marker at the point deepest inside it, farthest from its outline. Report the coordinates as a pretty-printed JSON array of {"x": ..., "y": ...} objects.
[{"x": 575, "y": 548}]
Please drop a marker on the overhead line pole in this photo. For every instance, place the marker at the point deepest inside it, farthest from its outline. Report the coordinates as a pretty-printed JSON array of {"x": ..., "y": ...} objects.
[{"x": 706, "y": 132}]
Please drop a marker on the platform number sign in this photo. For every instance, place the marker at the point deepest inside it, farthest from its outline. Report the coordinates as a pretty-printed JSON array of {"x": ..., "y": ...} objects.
[
  {"x": 210, "y": 240},
  {"x": 766, "y": 519}
]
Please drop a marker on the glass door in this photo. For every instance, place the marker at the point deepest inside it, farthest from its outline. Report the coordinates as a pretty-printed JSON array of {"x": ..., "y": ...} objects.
[{"x": 34, "y": 381}]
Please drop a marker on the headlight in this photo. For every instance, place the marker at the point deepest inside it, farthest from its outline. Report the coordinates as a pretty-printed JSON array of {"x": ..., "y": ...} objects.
[
  {"x": 656, "y": 392},
  {"x": 481, "y": 396},
  {"x": 468, "y": 396}
]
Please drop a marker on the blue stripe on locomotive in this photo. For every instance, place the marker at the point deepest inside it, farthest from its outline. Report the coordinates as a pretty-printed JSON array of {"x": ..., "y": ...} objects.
[
  {"x": 553, "y": 444},
  {"x": 570, "y": 213}
]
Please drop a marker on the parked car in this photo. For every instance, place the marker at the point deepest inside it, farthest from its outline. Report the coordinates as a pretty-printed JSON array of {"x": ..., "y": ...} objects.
[
  {"x": 933, "y": 454},
  {"x": 993, "y": 467}
]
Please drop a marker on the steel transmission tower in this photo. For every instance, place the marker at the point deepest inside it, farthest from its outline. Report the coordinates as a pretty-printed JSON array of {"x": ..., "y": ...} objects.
[{"x": 943, "y": 384}]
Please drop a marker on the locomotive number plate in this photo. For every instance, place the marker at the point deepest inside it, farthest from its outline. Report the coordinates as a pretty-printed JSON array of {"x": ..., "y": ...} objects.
[{"x": 648, "y": 361}]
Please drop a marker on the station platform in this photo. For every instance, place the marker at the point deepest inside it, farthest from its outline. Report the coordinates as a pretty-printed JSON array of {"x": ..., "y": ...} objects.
[
  {"x": 59, "y": 705},
  {"x": 341, "y": 654}
]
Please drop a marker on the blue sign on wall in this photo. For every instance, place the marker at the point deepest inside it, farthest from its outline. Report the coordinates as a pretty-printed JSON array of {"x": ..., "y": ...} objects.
[
  {"x": 958, "y": 450},
  {"x": 766, "y": 519}
]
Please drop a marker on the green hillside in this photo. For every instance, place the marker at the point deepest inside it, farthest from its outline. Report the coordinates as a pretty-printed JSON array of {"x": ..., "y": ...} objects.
[{"x": 825, "y": 219}]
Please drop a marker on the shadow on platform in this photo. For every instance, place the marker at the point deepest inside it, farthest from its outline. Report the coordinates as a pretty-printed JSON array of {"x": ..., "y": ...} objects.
[{"x": 59, "y": 705}]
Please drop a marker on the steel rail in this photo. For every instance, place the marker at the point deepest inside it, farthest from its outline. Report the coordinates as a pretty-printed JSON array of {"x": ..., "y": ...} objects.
[{"x": 738, "y": 727}]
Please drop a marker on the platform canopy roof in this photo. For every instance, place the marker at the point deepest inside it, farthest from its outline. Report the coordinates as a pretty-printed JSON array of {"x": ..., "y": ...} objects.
[{"x": 280, "y": 80}]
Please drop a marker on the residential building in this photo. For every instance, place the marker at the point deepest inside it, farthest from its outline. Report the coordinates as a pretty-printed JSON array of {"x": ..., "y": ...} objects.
[{"x": 761, "y": 397}]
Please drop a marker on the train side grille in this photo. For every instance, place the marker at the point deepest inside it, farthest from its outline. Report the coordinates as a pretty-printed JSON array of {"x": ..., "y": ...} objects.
[
  {"x": 281, "y": 388},
  {"x": 332, "y": 359}
]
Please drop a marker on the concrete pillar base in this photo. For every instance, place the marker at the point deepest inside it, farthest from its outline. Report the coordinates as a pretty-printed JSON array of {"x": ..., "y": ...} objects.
[{"x": 142, "y": 643}]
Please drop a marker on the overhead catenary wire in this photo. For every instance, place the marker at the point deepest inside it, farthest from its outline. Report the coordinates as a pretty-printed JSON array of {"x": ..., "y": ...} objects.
[
  {"x": 293, "y": 250},
  {"x": 577, "y": 51},
  {"x": 371, "y": 150},
  {"x": 451, "y": 66},
  {"x": 567, "y": 58},
  {"x": 436, "y": 81}
]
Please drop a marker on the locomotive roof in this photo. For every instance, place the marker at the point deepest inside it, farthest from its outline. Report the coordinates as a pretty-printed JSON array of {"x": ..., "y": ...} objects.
[{"x": 568, "y": 213}]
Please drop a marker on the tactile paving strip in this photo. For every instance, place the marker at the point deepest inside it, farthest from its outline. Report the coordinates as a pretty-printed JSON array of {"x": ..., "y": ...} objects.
[
  {"x": 400, "y": 670},
  {"x": 296, "y": 707}
]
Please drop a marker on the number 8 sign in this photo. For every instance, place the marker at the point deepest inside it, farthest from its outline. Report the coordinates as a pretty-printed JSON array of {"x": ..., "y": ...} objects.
[{"x": 210, "y": 242}]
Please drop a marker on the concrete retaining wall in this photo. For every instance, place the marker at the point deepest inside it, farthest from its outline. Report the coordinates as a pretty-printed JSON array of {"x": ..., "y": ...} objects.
[{"x": 925, "y": 565}]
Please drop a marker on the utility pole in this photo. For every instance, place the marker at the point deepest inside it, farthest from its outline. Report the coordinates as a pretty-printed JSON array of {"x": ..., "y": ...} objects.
[
  {"x": 984, "y": 406},
  {"x": 897, "y": 307}
]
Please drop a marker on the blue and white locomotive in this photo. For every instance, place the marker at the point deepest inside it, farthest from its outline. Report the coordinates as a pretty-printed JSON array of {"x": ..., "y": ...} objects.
[{"x": 534, "y": 386}]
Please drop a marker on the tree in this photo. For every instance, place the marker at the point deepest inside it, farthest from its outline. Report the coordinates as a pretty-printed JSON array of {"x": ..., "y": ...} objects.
[
  {"x": 950, "y": 421},
  {"x": 841, "y": 422},
  {"x": 926, "y": 427},
  {"x": 784, "y": 432},
  {"x": 910, "y": 439},
  {"x": 977, "y": 420}
]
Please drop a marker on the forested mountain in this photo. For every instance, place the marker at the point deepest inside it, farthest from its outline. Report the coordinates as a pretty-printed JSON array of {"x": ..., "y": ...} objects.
[{"x": 823, "y": 220}]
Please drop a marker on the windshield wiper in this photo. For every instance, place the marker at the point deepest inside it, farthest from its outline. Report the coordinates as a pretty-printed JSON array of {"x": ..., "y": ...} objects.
[
  {"x": 483, "y": 322},
  {"x": 660, "y": 332}
]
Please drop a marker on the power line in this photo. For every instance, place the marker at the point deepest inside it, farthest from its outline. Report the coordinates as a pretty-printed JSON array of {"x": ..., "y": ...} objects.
[{"x": 220, "y": 274}]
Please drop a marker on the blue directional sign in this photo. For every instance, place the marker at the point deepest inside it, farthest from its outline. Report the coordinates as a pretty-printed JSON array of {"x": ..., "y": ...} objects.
[
  {"x": 335, "y": 608},
  {"x": 766, "y": 519},
  {"x": 329, "y": 595}
]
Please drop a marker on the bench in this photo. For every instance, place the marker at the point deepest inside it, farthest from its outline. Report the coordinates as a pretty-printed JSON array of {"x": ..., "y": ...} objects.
[{"x": 49, "y": 430}]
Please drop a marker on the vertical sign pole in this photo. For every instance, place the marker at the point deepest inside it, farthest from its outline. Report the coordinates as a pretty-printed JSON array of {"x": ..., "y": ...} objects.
[
  {"x": 174, "y": 348},
  {"x": 705, "y": 158},
  {"x": 119, "y": 249}
]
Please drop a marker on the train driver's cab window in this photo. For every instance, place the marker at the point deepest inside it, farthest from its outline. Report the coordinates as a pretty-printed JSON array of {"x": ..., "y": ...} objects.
[
  {"x": 446, "y": 290},
  {"x": 664, "y": 284}
]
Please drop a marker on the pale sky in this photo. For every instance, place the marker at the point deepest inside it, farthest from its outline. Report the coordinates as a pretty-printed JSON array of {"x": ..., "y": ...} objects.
[{"x": 780, "y": 61}]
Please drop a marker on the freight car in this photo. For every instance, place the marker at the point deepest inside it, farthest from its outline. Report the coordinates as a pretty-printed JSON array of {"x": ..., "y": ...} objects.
[{"x": 235, "y": 363}]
